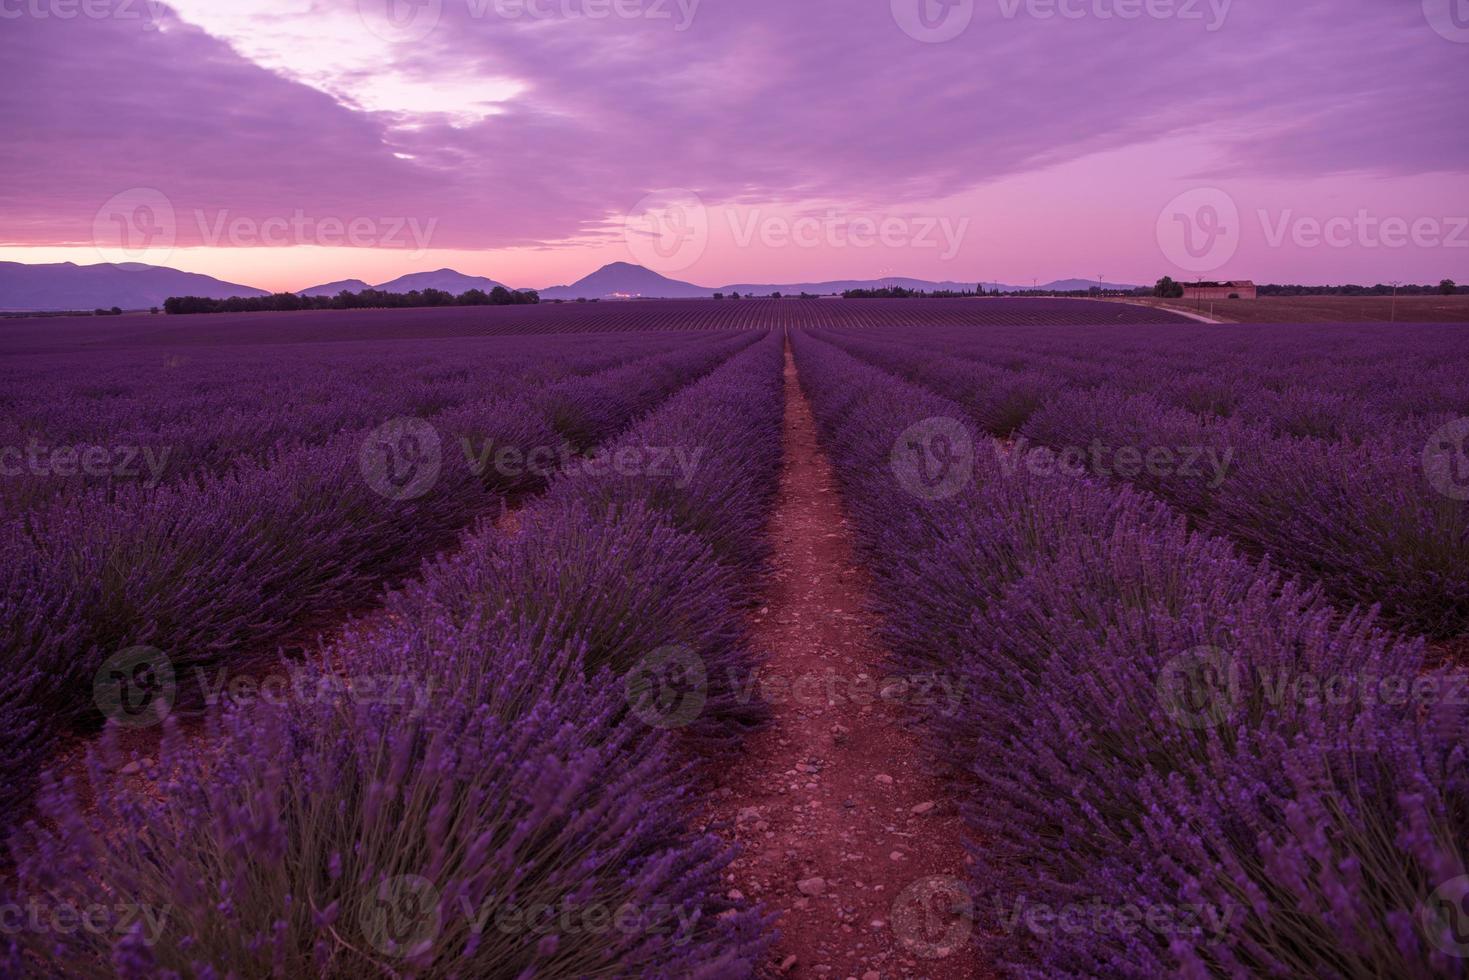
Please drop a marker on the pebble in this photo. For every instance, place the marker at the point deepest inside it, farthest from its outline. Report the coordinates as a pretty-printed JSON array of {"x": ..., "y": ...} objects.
[
  {"x": 884, "y": 780},
  {"x": 922, "y": 808},
  {"x": 811, "y": 886}
]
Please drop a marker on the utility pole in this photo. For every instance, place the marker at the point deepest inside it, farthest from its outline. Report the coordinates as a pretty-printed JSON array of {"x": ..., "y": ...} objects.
[{"x": 1394, "y": 318}]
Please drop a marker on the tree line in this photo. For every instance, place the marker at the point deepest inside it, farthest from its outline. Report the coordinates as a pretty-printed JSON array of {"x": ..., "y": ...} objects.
[
  {"x": 367, "y": 299},
  {"x": 898, "y": 292},
  {"x": 1168, "y": 288},
  {"x": 1445, "y": 288}
]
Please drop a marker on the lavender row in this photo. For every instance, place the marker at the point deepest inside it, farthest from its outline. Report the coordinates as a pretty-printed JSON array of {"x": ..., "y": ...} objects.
[
  {"x": 1178, "y": 763},
  {"x": 511, "y": 804},
  {"x": 1326, "y": 382},
  {"x": 76, "y": 421},
  {"x": 1377, "y": 523},
  {"x": 650, "y": 567},
  {"x": 221, "y": 569}
]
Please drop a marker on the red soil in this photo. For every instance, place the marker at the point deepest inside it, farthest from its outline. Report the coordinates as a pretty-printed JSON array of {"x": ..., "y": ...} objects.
[{"x": 843, "y": 832}]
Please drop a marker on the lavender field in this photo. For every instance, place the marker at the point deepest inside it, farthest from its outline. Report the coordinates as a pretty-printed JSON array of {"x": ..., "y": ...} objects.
[{"x": 511, "y": 643}]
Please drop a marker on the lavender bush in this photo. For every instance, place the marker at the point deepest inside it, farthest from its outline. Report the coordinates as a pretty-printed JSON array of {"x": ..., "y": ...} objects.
[
  {"x": 161, "y": 416},
  {"x": 212, "y": 570},
  {"x": 1146, "y": 726},
  {"x": 511, "y": 825},
  {"x": 623, "y": 585},
  {"x": 1358, "y": 515},
  {"x": 493, "y": 809}
]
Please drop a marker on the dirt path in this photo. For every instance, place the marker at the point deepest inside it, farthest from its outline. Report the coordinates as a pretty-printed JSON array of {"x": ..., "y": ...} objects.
[{"x": 843, "y": 833}]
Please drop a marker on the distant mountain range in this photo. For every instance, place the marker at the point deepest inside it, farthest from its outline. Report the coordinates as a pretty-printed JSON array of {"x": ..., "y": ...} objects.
[
  {"x": 131, "y": 285},
  {"x": 66, "y": 286},
  {"x": 624, "y": 280}
]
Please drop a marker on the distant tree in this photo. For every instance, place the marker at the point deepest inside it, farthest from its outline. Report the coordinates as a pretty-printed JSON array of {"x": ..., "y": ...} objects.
[
  {"x": 775, "y": 296},
  {"x": 734, "y": 295},
  {"x": 1448, "y": 287},
  {"x": 719, "y": 296},
  {"x": 1168, "y": 289},
  {"x": 154, "y": 311},
  {"x": 887, "y": 292},
  {"x": 366, "y": 299}
]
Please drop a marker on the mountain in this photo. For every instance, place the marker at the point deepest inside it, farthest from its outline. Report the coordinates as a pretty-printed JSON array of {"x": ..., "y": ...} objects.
[
  {"x": 1075, "y": 285},
  {"x": 130, "y": 285},
  {"x": 446, "y": 279},
  {"x": 841, "y": 285},
  {"x": 623, "y": 279},
  {"x": 332, "y": 288}
]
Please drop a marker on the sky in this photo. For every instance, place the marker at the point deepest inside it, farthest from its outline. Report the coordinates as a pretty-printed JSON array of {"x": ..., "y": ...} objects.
[{"x": 285, "y": 143}]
